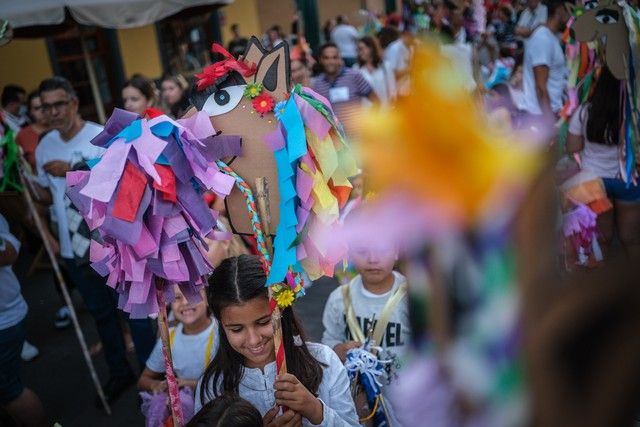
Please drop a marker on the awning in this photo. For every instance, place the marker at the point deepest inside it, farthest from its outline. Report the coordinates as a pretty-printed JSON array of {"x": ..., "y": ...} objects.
[{"x": 102, "y": 13}]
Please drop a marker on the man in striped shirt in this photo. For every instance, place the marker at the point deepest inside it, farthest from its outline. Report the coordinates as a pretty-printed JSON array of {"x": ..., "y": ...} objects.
[{"x": 343, "y": 87}]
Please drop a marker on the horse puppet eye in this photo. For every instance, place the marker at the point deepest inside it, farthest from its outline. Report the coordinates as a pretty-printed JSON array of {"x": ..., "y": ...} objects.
[
  {"x": 223, "y": 100},
  {"x": 590, "y": 5},
  {"x": 607, "y": 16}
]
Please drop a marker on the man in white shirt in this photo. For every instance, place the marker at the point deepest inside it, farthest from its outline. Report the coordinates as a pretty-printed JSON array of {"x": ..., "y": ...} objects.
[
  {"x": 398, "y": 55},
  {"x": 531, "y": 18},
  {"x": 544, "y": 68},
  {"x": 345, "y": 36},
  {"x": 67, "y": 144}
]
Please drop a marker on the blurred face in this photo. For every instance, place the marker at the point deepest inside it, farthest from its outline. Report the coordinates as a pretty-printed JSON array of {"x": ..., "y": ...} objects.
[
  {"x": 59, "y": 109},
  {"x": 171, "y": 92},
  {"x": 532, "y": 4},
  {"x": 298, "y": 72},
  {"x": 374, "y": 264},
  {"x": 364, "y": 52},
  {"x": 189, "y": 314},
  {"x": 135, "y": 101},
  {"x": 249, "y": 331},
  {"x": 35, "y": 110},
  {"x": 330, "y": 61},
  {"x": 564, "y": 16}
]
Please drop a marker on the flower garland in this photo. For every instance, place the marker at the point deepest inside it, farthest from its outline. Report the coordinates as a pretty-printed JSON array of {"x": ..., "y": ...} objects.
[{"x": 262, "y": 102}]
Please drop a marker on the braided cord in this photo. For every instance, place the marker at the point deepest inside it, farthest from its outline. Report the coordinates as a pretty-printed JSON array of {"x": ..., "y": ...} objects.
[{"x": 256, "y": 225}]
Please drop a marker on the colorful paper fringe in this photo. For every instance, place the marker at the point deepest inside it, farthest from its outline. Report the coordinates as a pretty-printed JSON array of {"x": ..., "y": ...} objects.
[
  {"x": 580, "y": 229},
  {"x": 282, "y": 295},
  {"x": 143, "y": 196},
  {"x": 314, "y": 163}
]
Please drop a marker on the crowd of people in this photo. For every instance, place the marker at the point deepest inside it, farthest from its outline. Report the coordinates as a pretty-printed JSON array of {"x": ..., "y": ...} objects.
[{"x": 510, "y": 55}]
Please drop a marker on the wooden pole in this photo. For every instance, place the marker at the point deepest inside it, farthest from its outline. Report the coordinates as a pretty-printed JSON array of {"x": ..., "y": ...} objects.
[
  {"x": 262, "y": 196},
  {"x": 172, "y": 384},
  {"x": 93, "y": 80},
  {"x": 63, "y": 285}
]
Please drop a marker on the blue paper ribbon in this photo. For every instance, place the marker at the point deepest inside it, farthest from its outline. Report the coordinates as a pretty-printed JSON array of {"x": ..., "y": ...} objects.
[{"x": 287, "y": 159}]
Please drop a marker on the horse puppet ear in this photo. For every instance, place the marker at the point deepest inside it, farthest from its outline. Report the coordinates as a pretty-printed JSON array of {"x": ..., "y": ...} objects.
[
  {"x": 274, "y": 71},
  {"x": 570, "y": 7}
]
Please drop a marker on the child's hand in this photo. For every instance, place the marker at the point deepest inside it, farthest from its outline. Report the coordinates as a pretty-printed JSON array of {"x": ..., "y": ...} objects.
[
  {"x": 342, "y": 349},
  {"x": 293, "y": 394},
  {"x": 288, "y": 419},
  {"x": 187, "y": 383},
  {"x": 159, "y": 386}
]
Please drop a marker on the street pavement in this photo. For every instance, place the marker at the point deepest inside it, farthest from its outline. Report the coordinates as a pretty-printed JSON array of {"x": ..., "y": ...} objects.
[{"x": 59, "y": 375}]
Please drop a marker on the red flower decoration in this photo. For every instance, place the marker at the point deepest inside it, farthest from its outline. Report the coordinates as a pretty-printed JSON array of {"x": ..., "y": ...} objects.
[{"x": 263, "y": 103}]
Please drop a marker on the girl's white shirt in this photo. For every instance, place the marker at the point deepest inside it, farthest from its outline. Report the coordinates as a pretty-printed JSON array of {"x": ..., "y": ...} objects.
[{"x": 338, "y": 408}]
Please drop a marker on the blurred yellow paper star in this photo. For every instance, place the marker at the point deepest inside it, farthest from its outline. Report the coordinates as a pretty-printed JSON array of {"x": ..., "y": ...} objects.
[{"x": 436, "y": 144}]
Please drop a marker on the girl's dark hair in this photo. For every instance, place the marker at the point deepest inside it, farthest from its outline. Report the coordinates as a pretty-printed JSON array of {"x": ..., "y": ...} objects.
[
  {"x": 143, "y": 84},
  {"x": 605, "y": 118},
  {"x": 235, "y": 281},
  {"x": 372, "y": 44},
  {"x": 227, "y": 411}
]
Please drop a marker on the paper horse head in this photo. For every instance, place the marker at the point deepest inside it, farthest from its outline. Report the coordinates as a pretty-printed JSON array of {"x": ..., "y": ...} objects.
[
  {"x": 234, "y": 112},
  {"x": 604, "y": 20}
]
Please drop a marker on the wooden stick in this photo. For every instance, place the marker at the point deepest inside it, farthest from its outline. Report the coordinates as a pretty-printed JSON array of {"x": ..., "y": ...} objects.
[
  {"x": 262, "y": 196},
  {"x": 172, "y": 384},
  {"x": 63, "y": 286}
]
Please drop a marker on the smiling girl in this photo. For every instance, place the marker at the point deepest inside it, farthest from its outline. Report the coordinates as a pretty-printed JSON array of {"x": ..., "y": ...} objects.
[
  {"x": 193, "y": 343},
  {"x": 316, "y": 387}
]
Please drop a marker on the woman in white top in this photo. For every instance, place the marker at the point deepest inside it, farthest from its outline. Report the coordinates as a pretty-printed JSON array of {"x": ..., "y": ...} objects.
[
  {"x": 316, "y": 387},
  {"x": 594, "y": 132},
  {"x": 375, "y": 71}
]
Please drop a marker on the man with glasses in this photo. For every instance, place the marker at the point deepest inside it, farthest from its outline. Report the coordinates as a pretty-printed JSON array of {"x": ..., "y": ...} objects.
[{"x": 67, "y": 144}]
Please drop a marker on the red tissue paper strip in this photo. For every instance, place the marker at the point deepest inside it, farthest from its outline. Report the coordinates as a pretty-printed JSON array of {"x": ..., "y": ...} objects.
[
  {"x": 132, "y": 185},
  {"x": 168, "y": 183}
]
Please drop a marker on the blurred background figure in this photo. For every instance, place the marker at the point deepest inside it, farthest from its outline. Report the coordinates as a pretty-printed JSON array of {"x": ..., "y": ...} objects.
[
  {"x": 175, "y": 94},
  {"x": 29, "y": 136},
  {"x": 14, "y": 110},
  {"x": 375, "y": 71},
  {"x": 184, "y": 60},
  {"x": 273, "y": 37},
  {"x": 138, "y": 94},
  {"x": 344, "y": 87},
  {"x": 345, "y": 36},
  {"x": 237, "y": 44}
]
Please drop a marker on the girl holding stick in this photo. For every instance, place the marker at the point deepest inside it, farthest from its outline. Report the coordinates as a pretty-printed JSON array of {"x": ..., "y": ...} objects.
[{"x": 316, "y": 388}]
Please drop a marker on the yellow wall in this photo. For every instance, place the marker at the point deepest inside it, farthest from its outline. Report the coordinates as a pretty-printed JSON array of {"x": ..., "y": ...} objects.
[
  {"x": 25, "y": 63},
  {"x": 245, "y": 14},
  {"x": 139, "y": 51}
]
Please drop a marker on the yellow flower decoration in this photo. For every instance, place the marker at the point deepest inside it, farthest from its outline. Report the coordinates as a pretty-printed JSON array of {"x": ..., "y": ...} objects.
[
  {"x": 436, "y": 144},
  {"x": 284, "y": 298},
  {"x": 252, "y": 90}
]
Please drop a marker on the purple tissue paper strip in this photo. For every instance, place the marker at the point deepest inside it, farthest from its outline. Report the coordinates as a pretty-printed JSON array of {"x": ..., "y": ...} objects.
[
  {"x": 221, "y": 146},
  {"x": 119, "y": 120}
]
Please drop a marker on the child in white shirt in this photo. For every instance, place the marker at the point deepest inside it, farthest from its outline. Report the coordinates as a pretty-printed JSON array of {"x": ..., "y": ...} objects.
[{"x": 372, "y": 305}]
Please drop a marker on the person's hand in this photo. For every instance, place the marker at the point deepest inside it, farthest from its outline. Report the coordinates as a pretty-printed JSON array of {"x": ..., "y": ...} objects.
[
  {"x": 288, "y": 419},
  {"x": 342, "y": 349},
  {"x": 290, "y": 392},
  {"x": 57, "y": 168},
  {"x": 182, "y": 382},
  {"x": 159, "y": 386}
]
